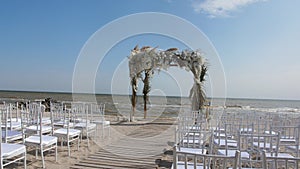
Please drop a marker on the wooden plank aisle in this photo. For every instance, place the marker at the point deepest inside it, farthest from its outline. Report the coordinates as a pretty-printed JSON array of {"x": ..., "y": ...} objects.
[{"x": 132, "y": 151}]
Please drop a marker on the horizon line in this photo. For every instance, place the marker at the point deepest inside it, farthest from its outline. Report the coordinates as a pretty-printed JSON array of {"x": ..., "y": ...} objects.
[{"x": 68, "y": 92}]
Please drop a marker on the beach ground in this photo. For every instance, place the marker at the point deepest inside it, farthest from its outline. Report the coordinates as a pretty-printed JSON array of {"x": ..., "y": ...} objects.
[{"x": 148, "y": 141}]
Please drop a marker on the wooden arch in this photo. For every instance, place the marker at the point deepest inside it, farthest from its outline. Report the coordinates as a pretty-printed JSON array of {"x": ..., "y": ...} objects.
[{"x": 143, "y": 62}]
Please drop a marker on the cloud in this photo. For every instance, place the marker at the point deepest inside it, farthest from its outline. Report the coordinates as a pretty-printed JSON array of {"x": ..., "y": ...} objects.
[{"x": 221, "y": 8}]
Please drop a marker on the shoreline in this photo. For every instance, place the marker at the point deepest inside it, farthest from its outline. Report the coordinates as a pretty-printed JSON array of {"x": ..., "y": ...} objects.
[{"x": 171, "y": 96}]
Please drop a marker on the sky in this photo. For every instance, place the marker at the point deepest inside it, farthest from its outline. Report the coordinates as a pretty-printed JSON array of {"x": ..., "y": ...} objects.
[{"x": 257, "y": 42}]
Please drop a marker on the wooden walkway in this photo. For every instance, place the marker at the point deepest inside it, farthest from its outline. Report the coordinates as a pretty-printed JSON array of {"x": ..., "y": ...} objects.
[{"x": 142, "y": 146}]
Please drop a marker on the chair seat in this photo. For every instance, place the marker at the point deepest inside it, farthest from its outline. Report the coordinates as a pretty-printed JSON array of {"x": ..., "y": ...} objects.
[
  {"x": 263, "y": 145},
  {"x": 221, "y": 135},
  {"x": 222, "y": 130},
  {"x": 191, "y": 150},
  {"x": 232, "y": 153},
  {"x": 10, "y": 150},
  {"x": 281, "y": 155},
  {"x": 293, "y": 147},
  {"x": 222, "y": 142},
  {"x": 11, "y": 134},
  {"x": 46, "y": 140},
  {"x": 181, "y": 165},
  {"x": 14, "y": 119},
  {"x": 287, "y": 140},
  {"x": 102, "y": 122},
  {"x": 46, "y": 120},
  {"x": 192, "y": 141},
  {"x": 45, "y": 129},
  {"x": 80, "y": 120},
  {"x": 85, "y": 125},
  {"x": 270, "y": 132},
  {"x": 13, "y": 124},
  {"x": 63, "y": 124},
  {"x": 64, "y": 131},
  {"x": 246, "y": 130}
]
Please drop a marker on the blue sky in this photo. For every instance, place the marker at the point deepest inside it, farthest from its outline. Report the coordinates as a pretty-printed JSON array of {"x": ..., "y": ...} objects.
[{"x": 257, "y": 42}]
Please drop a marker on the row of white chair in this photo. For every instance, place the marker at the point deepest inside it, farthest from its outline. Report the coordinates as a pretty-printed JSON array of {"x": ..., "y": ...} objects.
[
  {"x": 255, "y": 137},
  {"x": 42, "y": 130}
]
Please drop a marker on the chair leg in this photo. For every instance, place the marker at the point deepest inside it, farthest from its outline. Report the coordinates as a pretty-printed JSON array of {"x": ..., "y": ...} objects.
[
  {"x": 78, "y": 143},
  {"x": 42, "y": 156},
  {"x": 25, "y": 165},
  {"x": 56, "y": 152},
  {"x": 68, "y": 144},
  {"x": 102, "y": 132},
  {"x": 88, "y": 139}
]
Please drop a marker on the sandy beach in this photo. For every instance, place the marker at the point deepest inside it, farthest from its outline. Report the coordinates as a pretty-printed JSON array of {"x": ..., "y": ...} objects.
[
  {"x": 148, "y": 143},
  {"x": 145, "y": 147}
]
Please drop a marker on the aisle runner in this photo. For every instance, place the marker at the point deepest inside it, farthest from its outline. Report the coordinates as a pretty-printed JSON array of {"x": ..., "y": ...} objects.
[{"x": 142, "y": 147}]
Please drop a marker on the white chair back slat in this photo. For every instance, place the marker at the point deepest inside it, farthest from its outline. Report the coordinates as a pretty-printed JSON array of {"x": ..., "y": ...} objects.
[{"x": 205, "y": 161}]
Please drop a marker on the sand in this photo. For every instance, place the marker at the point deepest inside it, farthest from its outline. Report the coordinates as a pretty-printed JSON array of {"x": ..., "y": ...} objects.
[{"x": 147, "y": 136}]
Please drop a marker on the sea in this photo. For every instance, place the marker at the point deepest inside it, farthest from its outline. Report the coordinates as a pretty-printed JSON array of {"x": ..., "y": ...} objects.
[{"x": 158, "y": 106}]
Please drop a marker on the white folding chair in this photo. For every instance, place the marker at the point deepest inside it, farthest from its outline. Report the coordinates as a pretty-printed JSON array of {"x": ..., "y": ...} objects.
[
  {"x": 225, "y": 138},
  {"x": 31, "y": 118},
  {"x": 13, "y": 122},
  {"x": 10, "y": 153},
  {"x": 82, "y": 120},
  {"x": 66, "y": 133},
  {"x": 193, "y": 141},
  {"x": 280, "y": 162},
  {"x": 186, "y": 160},
  {"x": 10, "y": 134},
  {"x": 98, "y": 118},
  {"x": 289, "y": 138},
  {"x": 246, "y": 145},
  {"x": 39, "y": 141}
]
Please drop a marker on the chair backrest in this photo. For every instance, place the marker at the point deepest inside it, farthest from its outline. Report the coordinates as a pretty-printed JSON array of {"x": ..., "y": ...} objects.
[
  {"x": 57, "y": 111},
  {"x": 4, "y": 113},
  {"x": 79, "y": 111},
  {"x": 193, "y": 138},
  {"x": 10, "y": 121},
  {"x": 289, "y": 137},
  {"x": 205, "y": 160},
  {"x": 263, "y": 142},
  {"x": 97, "y": 111},
  {"x": 35, "y": 116},
  {"x": 280, "y": 162}
]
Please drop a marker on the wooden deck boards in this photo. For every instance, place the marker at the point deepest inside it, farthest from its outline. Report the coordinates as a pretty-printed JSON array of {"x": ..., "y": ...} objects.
[{"x": 137, "y": 150}]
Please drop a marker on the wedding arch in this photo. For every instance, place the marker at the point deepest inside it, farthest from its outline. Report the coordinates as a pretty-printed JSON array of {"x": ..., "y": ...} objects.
[{"x": 143, "y": 62}]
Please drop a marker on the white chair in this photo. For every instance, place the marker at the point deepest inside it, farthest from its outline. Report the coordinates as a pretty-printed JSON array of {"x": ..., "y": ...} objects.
[
  {"x": 13, "y": 122},
  {"x": 225, "y": 138},
  {"x": 193, "y": 141},
  {"x": 67, "y": 134},
  {"x": 10, "y": 153},
  {"x": 10, "y": 134},
  {"x": 255, "y": 158},
  {"x": 39, "y": 141},
  {"x": 280, "y": 162},
  {"x": 58, "y": 115},
  {"x": 265, "y": 142},
  {"x": 98, "y": 118},
  {"x": 32, "y": 121},
  {"x": 81, "y": 112},
  {"x": 289, "y": 138},
  {"x": 186, "y": 160}
]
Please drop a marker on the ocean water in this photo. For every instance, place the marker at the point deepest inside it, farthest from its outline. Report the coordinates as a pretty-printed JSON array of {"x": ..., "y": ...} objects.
[{"x": 158, "y": 106}]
